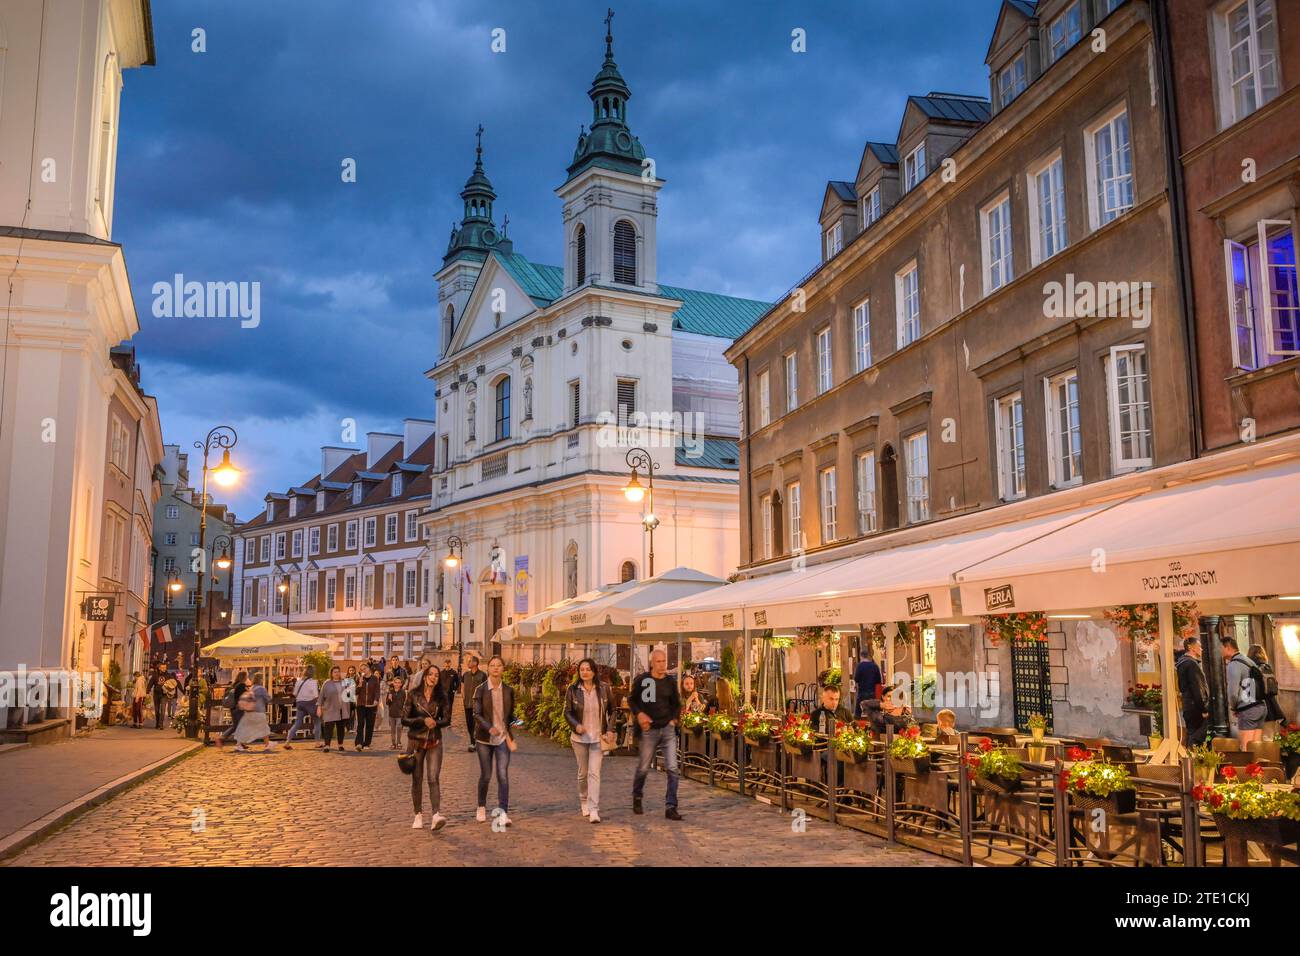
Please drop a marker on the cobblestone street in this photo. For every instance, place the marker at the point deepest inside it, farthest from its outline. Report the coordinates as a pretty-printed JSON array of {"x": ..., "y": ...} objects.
[{"x": 310, "y": 808}]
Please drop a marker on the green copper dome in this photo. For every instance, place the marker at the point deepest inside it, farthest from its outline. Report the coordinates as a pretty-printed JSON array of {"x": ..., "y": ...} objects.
[
  {"x": 609, "y": 143},
  {"x": 477, "y": 234}
]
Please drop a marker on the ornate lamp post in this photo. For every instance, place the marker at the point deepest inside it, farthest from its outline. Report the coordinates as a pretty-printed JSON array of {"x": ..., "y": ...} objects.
[
  {"x": 222, "y": 562},
  {"x": 225, "y": 474},
  {"x": 634, "y": 491},
  {"x": 283, "y": 587},
  {"x": 452, "y": 561}
]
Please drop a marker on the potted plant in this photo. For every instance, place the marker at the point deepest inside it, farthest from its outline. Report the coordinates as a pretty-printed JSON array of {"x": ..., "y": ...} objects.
[
  {"x": 1205, "y": 762},
  {"x": 995, "y": 769},
  {"x": 1243, "y": 808},
  {"x": 1024, "y": 626},
  {"x": 1289, "y": 742},
  {"x": 1095, "y": 782},
  {"x": 850, "y": 743},
  {"x": 1141, "y": 622},
  {"x": 692, "y": 722},
  {"x": 797, "y": 735},
  {"x": 1147, "y": 700},
  {"x": 908, "y": 753},
  {"x": 720, "y": 724}
]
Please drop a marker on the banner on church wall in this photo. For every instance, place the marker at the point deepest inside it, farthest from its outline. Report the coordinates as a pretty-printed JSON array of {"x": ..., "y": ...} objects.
[{"x": 521, "y": 584}]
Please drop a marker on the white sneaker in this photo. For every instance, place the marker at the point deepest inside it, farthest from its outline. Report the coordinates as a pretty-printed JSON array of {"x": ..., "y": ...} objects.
[
  {"x": 240, "y": 749},
  {"x": 418, "y": 824},
  {"x": 505, "y": 820},
  {"x": 594, "y": 817},
  {"x": 481, "y": 814},
  {"x": 438, "y": 822},
  {"x": 585, "y": 809}
]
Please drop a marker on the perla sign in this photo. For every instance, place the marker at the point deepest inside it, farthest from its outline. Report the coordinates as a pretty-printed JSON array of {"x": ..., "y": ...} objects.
[{"x": 999, "y": 598}]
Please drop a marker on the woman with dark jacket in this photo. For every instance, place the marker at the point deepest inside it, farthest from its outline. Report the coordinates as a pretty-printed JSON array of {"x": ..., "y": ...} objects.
[
  {"x": 589, "y": 712},
  {"x": 425, "y": 714},
  {"x": 1257, "y": 654}
]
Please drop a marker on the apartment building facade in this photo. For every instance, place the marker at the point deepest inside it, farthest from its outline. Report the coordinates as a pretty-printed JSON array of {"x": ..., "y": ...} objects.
[
  {"x": 342, "y": 556},
  {"x": 997, "y": 318}
]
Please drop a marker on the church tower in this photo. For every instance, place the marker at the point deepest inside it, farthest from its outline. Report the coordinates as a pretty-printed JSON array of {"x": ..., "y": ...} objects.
[
  {"x": 610, "y": 196},
  {"x": 468, "y": 247}
]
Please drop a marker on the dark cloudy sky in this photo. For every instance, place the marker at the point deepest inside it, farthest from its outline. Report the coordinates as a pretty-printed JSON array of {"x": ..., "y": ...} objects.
[{"x": 229, "y": 170}]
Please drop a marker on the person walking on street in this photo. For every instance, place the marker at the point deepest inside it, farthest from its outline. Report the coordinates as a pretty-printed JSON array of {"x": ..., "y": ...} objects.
[
  {"x": 1195, "y": 692},
  {"x": 425, "y": 712},
  {"x": 656, "y": 705},
  {"x": 469, "y": 682},
  {"x": 332, "y": 708},
  {"x": 368, "y": 691},
  {"x": 254, "y": 726},
  {"x": 350, "y": 695},
  {"x": 139, "y": 693},
  {"x": 589, "y": 712},
  {"x": 395, "y": 669},
  {"x": 1246, "y": 695},
  {"x": 395, "y": 700},
  {"x": 232, "y": 699},
  {"x": 494, "y": 713},
  {"x": 306, "y": 691},
  {"x": 1260, "y": 656},
  {"x": 450, "y": 683}
]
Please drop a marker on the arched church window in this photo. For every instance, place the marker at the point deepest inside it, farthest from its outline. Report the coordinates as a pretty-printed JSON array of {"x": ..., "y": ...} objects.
[
  {"x": 503, "y": 409},
  {"x": 624, "y": 253},
  {"x": 580, "y": 268},
  {"x": 627, "y": 572},
  {"x": 448, "y": 327}
]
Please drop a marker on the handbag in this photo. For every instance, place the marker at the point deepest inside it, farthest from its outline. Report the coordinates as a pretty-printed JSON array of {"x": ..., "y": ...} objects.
[{"x": 406, "y": 762}]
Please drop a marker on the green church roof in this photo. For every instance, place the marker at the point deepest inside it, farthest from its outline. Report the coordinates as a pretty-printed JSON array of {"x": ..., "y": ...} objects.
[{"x": 542, "y": 284}]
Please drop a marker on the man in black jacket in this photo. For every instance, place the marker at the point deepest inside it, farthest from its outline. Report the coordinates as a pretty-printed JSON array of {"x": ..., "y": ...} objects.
[
  {"x": 1195, "y": 692},
  {"x": 829, "y": 713},
  {"x": 470, "y": 682},
  {"x": 656, "y": 704}
]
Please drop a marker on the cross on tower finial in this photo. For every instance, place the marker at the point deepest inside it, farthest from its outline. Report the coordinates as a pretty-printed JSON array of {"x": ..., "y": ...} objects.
[
  {"x": 478, "y": 151},
  {"x": 609, "y": 32},
  {"x": 505, "y": 226}
]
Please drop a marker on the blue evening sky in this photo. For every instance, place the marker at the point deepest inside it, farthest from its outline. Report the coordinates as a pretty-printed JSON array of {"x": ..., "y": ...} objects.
[{"x": 229, "y": 170}]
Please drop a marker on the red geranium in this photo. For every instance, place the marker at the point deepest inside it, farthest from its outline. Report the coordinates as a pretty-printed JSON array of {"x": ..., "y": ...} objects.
[
  {"x": 1229, "y": 772},
  {"x": 985, "y": 744},
  {"x": 1255, "y": 770}
]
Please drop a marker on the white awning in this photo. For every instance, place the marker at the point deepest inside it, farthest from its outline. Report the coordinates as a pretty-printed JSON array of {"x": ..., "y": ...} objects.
[
  {"x": 529, "y": 629},
  {"x": 266, "y": 640},
  {"x": 615, "y": 614},
  {"x": 1231, "y": 536}
]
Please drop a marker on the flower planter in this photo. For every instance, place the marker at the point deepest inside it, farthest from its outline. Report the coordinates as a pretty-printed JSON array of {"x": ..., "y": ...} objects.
[
  {"x": 999, "y": 785},
  {"x": 1267, "y": 831},
  {"x": 797, "y": 750},
  {"x": 1038, "y": 753},
  {"x": 851, "y": 756},
  {"x": 912, "y": 765},
  {"x": 1121, "y": 801},
  {"x": 1203, "y": 775}
]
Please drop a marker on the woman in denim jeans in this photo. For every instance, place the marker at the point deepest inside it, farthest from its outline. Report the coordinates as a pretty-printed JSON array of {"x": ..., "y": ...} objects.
[
  {"x": 494, "y": 738},
  {"x": 589, "y": 712}
]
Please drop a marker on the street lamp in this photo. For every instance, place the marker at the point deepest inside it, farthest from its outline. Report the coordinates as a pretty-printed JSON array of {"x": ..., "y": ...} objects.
[
  {"x": 634, "y": 492},
  {"x": 283, "y": 587},
  {"x": 225, "y": 474},
  {"x": 222, "y": 563},
  {"x": 452, "y": 562}
]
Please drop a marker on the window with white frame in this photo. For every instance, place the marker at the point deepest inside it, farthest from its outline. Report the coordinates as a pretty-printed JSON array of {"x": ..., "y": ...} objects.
[
  {"x": 1064, "y": 437},
  {"x": 313, "y": 540},
  {"x": 266, "y": 547},
  {"x": 1013, "y": 80},
  {"x": 412, "y": 525},
  {"x": 357, "y": 492},
  {"x": 371, "y": 526},
  {"x": 995, "y": 239},
  {"x": 917, "y": 450},
  {"x": 368, "y": 588},
  {"x": 332, "y": 538},
  {"x": 907, "y": 298},
  {"x": 833, "y": 239},
  {"x": 1064, "y": 31},
  {"x": 313, "y": 592},
  {"x": 764, "y": 398},
  {"x": 1245, "y": 41},
  {"x": 331, "y": 590},
  {"x": 320, "y": 501},
  {"x": 390, "y": 586},
  {"x": 1129, "y": 386},
  {"x": 791, "y": 381},
  {"x": 350, "y": 536},
  {"x": 765, "y": 519},
  {"x": 865, "y": 480},
  {"x": 397, "y": 484},
  {"x": 824, "y": 360},
  {"x": 293, "y": 506},
  {"x": 1263, "y": 302},
  {"x": 871, "y": 207},
  {"x": 264, "y": 597},
  {"x": 410, "y": 596},
  {"x": 792, "y": 508},
  {"x": 914, "y": 166},
  {"x": 173, "y": 512},
  {"x": 119, "y": 449},
  {"x": 250, "y": 549},
  {"x": 1047, "y": 229},
  {"x": 1009, "y": 415},
  {"x": 247, "y": 598},
  {"x": 862, "y": 335},
  {"x": 169, "y": 538},
  {"x": 826, "y": 482},
  {"x": 1110, "y": 168},
  {"x": 390, "y": 529},
  {"x": 295, "y": 547},
  {"x": 349, "y": 589}
]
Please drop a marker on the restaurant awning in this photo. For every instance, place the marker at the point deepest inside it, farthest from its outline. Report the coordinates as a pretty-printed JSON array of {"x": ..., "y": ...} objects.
[
  {"x": 1228, "y": 536},
  {"x": 614, "y": 615},
  {"x": 911, "y": 582},
  {"x": 531, "y": 628},
  {"x": 266, "y": 640}
]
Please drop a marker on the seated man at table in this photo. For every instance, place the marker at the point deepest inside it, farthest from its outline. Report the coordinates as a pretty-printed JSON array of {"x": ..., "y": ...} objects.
[
  {"x": 828, "y": 713},
  {"x": 945, "y": 731}
]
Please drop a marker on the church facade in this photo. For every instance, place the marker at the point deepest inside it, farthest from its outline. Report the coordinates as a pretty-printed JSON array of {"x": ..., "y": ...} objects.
[{"x": 552, "y": 377}]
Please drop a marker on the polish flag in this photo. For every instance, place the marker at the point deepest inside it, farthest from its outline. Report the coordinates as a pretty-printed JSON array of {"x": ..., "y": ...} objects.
[
  {"x": 164, "y": 634},
  {"x": 143, "y": 634}
]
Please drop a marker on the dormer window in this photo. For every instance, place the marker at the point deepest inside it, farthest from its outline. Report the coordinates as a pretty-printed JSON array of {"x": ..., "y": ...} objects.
[
  {"x": 397, "y": 485},
  {"x": 1064, "y": 32},
  {"x": 293, "y": 507},
  {"x": 871, "y": 207},
  {"x": 914, "y": 166},
  {"x": 1012, "y": 81},
  {"x": 357, "y": 492},
  {"x": 270, "y": 511},
  {"x": 833, "y": 241},
  {"x": 320, "y": 501}
]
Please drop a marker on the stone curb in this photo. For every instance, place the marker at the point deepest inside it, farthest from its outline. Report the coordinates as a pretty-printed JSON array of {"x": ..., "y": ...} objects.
[{"x": 25, "y": 836}]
